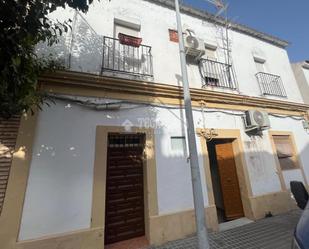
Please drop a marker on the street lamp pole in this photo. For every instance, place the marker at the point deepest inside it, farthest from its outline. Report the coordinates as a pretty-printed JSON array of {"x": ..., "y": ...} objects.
[{"x": 201, "y": 230}]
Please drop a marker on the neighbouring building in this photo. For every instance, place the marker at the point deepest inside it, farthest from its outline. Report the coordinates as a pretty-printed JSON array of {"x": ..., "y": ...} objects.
[
  {"x": 109, "y": 160},
  {"x": 301, "y": 72}
]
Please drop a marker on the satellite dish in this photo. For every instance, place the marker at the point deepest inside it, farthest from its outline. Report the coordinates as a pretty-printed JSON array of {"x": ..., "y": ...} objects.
[
  {"x": 258, "y": 118},
  {"x": 192, "y": 42}
]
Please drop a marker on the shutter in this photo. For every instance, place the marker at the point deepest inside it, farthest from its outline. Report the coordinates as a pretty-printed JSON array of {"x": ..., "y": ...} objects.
[
  {"x": 8, "y": 135},
  {"x": 259, "y": 67},
  {"x": 285, "y": 152},
  {"x": 284, "y": 148},
  {"x": 210, "y": 54},
  {"x": 125, "y": 30}
]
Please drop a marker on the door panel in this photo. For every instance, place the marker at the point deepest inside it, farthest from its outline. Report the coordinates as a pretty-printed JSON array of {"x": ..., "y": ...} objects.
[
  {"x": 124, "y": 217},
  {"x": 229, "y": 181}
]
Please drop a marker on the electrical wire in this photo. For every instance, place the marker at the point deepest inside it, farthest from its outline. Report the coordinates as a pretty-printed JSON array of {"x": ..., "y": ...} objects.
[
  {"x": 285, "y": 116},
  {"x": 136, "y": 105}
]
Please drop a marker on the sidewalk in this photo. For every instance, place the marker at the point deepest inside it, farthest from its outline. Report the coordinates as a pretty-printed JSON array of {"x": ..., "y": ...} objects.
[{"x": 269, "y": 233}]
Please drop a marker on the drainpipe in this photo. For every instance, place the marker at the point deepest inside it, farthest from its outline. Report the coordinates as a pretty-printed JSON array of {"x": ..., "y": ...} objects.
[{"x": 201, "y": 230}]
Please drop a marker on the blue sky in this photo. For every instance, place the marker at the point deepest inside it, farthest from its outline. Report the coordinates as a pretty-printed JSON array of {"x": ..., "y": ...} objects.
[{"x": 286, "y": 19}]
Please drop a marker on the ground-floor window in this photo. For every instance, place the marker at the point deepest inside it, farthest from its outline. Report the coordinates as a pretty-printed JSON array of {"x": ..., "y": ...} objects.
[{"x": 285, "y": 152}]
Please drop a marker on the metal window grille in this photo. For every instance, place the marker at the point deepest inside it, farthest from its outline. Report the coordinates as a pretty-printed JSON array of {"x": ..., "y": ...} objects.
[
  {"x": 126, "y": 59},
  {"x": 271, "y": 84},
  {"x": 217, "y": 74}
]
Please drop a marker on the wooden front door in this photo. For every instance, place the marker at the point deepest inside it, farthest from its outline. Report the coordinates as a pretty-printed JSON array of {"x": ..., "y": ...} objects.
[
  {"x": 124, "y": 215},
  {"x": 229, "y": 181}
]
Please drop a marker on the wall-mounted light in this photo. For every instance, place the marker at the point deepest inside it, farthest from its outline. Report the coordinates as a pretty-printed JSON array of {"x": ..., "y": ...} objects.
[{"x": 209, "y": 134}]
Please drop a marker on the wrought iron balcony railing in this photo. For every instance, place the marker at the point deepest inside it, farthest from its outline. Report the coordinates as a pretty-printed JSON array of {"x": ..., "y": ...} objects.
[
  {"x": 126, "y": 59},
  {"x": 271, "y": 84},
  {"x": 217, "y": 74}
]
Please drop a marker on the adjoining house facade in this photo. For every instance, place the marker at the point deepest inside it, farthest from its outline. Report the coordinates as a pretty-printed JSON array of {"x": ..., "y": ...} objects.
[
  {"x": 301, "y": 72},
  {"x": 109, "y": 160}
]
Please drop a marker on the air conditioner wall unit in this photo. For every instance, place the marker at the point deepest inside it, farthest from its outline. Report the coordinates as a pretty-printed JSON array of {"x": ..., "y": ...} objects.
[
  {"x": 194, "y": 46},
  {"x": 256, "y": 120}
]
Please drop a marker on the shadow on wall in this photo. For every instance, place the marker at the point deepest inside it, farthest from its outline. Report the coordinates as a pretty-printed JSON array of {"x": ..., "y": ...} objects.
[
  {"x": 259, "y": 160},
  {"x": 62, "y": 166},
  {"x": 268, "y": 196},
  {"x": 86, "y": 48},
  {"x": 66, "y": 167},
  {"x": 79, "y": 50}
]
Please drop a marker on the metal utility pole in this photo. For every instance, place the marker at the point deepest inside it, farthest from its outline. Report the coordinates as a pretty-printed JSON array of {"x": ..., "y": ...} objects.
[{"x": 201, "y": 229}]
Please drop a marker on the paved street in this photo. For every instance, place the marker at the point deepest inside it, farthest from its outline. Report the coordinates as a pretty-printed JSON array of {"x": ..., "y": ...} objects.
[{"x": 269, "y": 233}]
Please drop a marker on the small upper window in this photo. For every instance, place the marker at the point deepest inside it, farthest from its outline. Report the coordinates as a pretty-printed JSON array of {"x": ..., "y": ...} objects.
[
  {"x": 285, "y": 152},
  {"x": 259, "y": 66},
  {"x": 127, "y": 27},
  {"x": 125, "y": 30},
  {"x": 210, "y": 53},
  {"x": 178, "y": 144},
  {"x": 306, "y": 65}
]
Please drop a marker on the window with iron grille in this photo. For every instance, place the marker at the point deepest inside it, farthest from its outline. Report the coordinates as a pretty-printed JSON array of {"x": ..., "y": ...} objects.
[
  {"x": 124, "y": 53},
  {"x": 217, "y": 74},
  {"x": 271, "y": 84}
]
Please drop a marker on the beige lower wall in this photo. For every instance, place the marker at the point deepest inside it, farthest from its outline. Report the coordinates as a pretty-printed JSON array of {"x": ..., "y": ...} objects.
[
  {"x": 276, "y": 203},
  {"x": 84, "y": 239},
  {"x": 163, "y": 228},
  {"x": 178, "y": 225},
  {"x": 14, "y": 198}
]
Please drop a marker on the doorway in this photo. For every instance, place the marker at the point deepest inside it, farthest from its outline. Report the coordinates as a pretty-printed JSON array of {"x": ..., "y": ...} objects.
[
  {"x": 124, "y": 212},
  {"x": 225, "y": 180}
]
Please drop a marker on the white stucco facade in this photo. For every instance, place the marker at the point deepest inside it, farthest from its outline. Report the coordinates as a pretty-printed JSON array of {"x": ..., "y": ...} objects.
[
  {"x": 301, "y": 72},
  {"x": 155, "y": 21},
  {"x": 60, "y": 185},
  {"x": 59, "y": 192}
]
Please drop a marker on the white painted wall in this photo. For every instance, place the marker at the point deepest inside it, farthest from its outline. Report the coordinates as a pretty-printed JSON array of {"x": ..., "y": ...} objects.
[
  {"x": 59, "y": 188},
  {"x": 155, "y": 21},
  {"x": 306, "y": 73},
  {"x": 261, "y": 164},
  {"x": 59, "y": 192},
  {"x": 301, "y": 139},
  {"x": 302, "y": 78}
]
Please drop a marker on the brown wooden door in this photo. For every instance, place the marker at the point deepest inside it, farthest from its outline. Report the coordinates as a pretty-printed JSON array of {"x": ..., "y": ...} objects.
[
  {"x": 229, "y": 181},
  {"x": 124, "y": 215}
]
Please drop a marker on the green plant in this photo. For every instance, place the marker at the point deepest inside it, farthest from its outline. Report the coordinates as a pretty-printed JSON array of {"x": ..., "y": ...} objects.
[{"x": 23, "y": 24}]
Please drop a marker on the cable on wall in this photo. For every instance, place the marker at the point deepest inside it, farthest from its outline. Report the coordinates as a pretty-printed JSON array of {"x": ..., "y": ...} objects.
[{"x": 120, "y": 105}]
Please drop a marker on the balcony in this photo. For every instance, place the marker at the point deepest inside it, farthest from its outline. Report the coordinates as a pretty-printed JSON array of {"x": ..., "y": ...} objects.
[
  {"x": 126, "y": 59},
  {"x": 217, "y": 74},
  {"x": 271, "y": 84}
]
